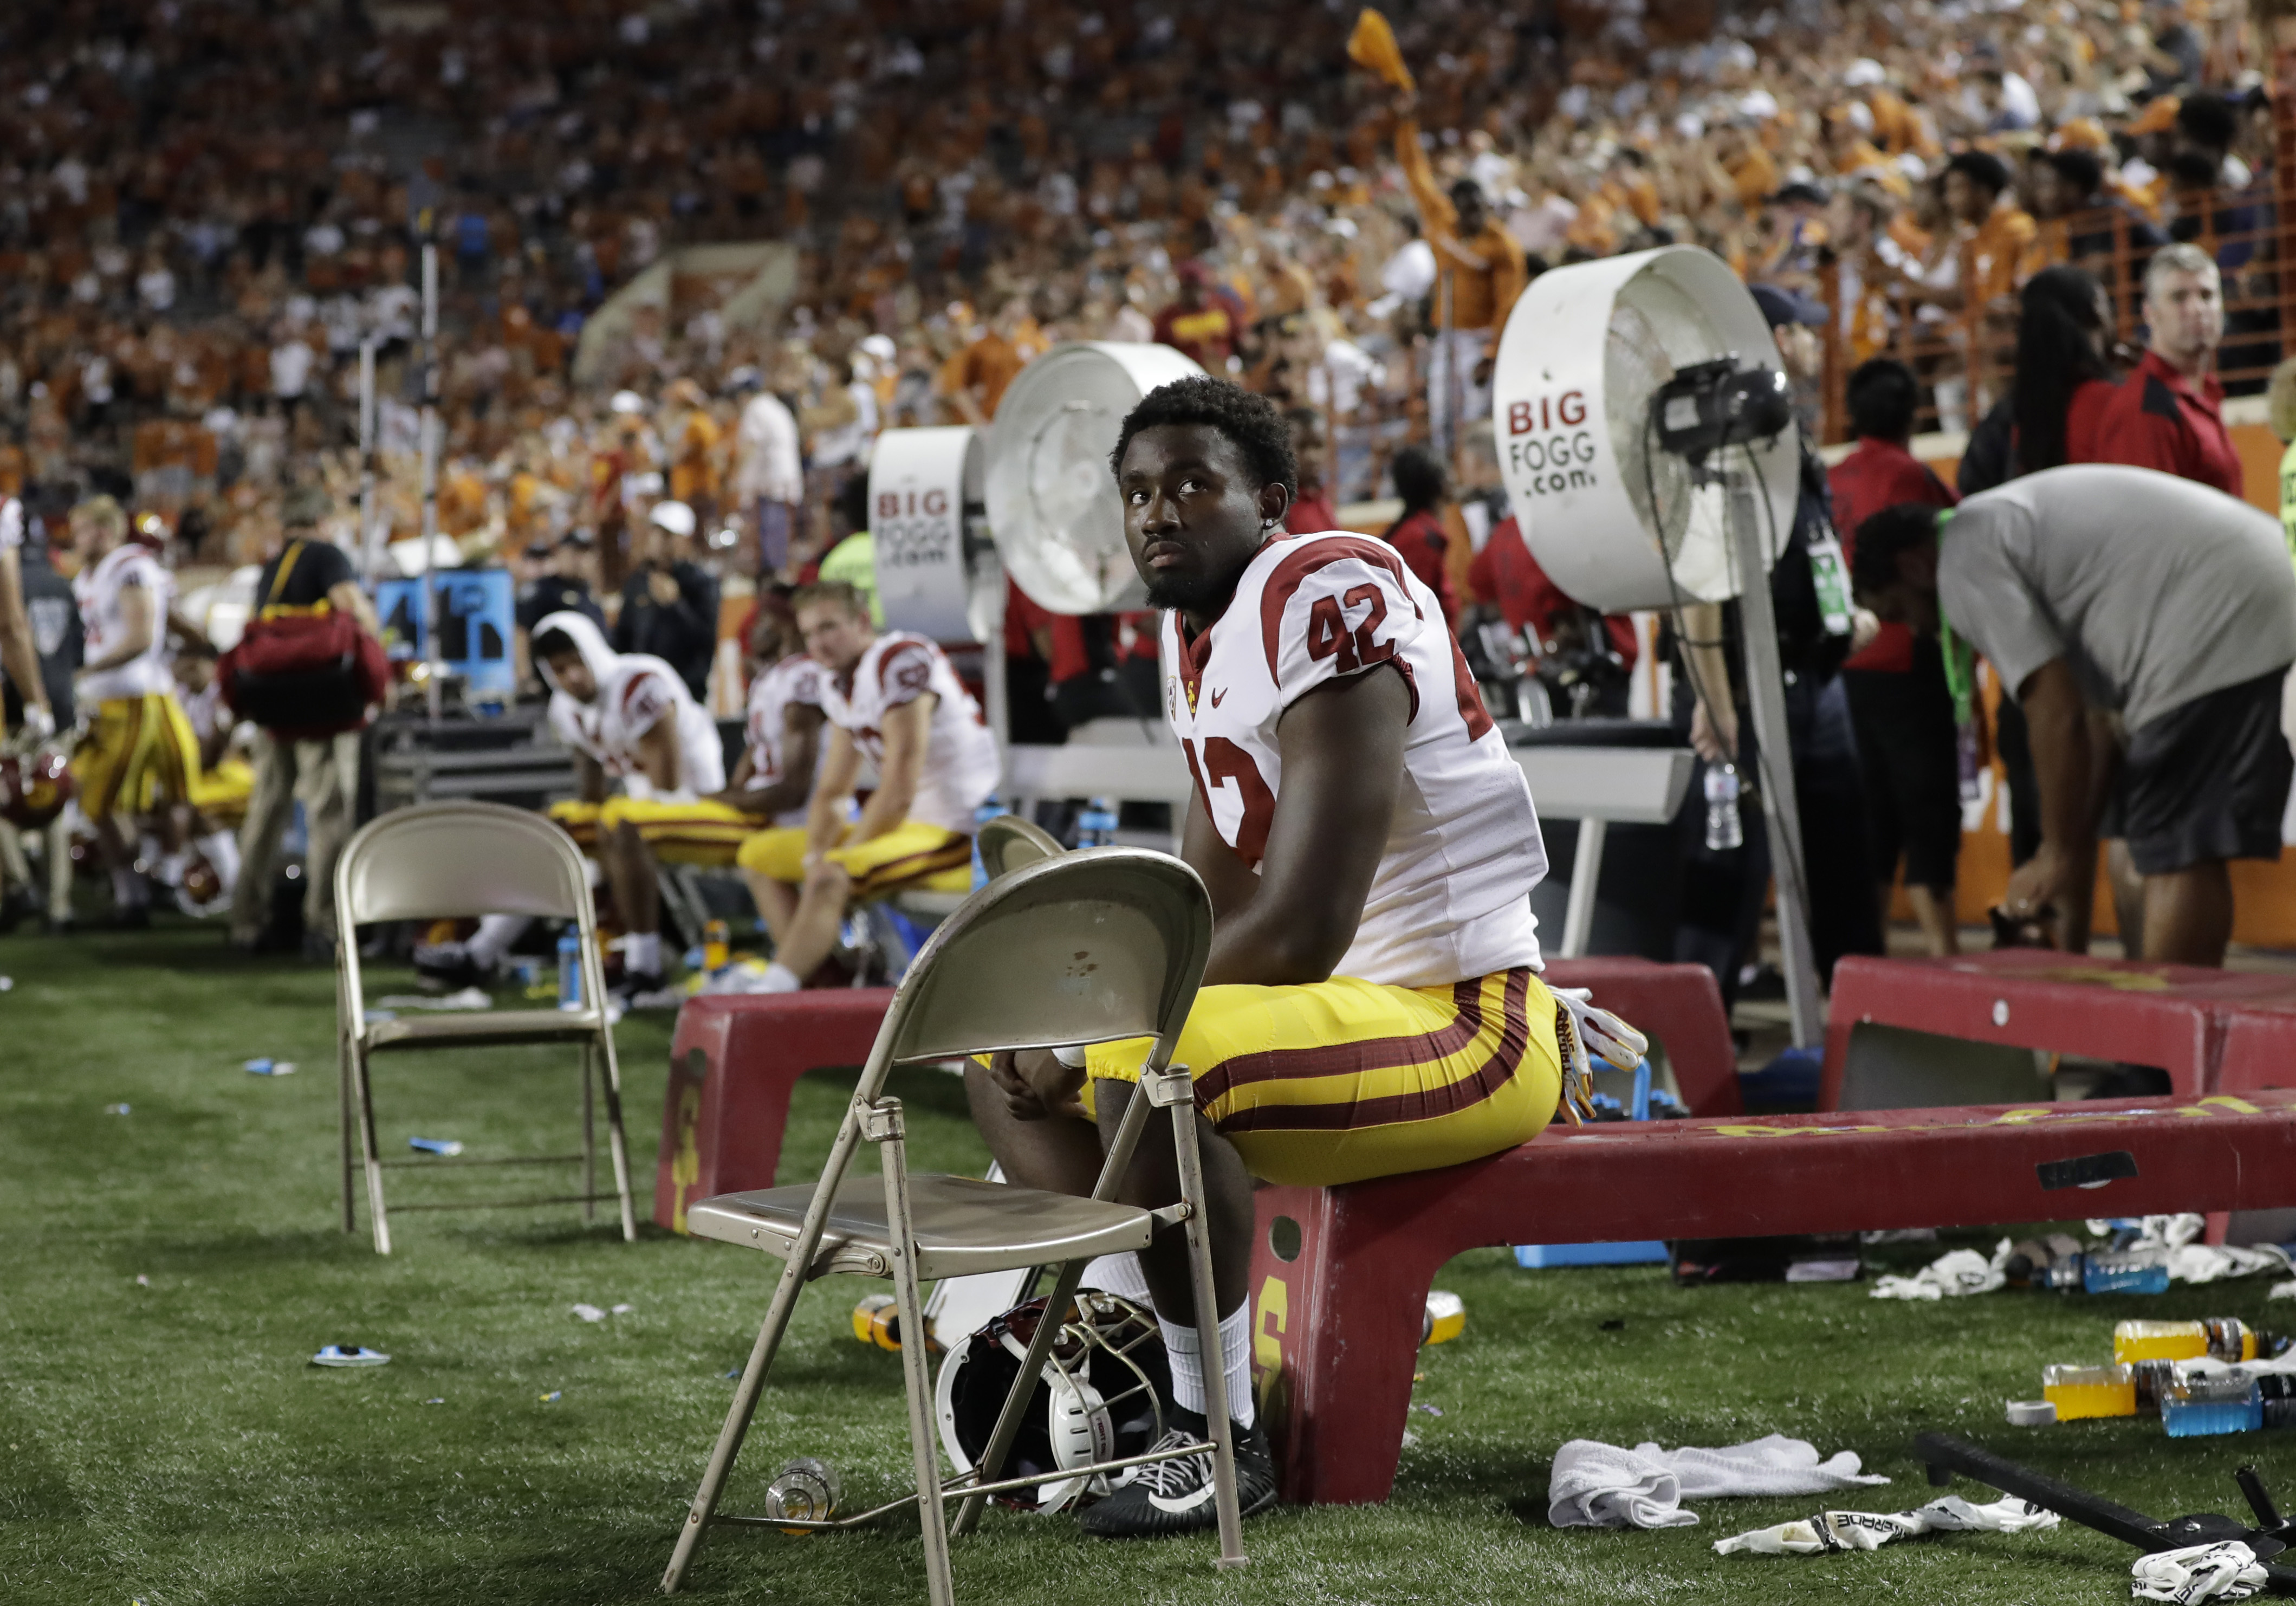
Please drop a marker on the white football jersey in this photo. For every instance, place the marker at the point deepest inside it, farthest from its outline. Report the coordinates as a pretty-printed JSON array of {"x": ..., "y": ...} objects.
[
  {"x": 796, "y": 679},
  {"x": 961, "y": 769},
  {"x": 100, "y": 590},
  {"x": 12, "y": 523},
  {"x": 1451, "y": 899},
  {"x": 634, "y": 695}
]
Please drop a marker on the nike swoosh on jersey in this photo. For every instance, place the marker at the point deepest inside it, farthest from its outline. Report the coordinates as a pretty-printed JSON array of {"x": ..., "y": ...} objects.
[
  {"x": 1187, "y": 1503},
  {"x": 1217, "y": 695}
]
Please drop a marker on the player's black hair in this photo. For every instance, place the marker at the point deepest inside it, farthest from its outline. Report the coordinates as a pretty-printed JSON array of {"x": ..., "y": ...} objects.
[
  {"x": 2080, "y": 170},
  {"x": 2060, "y": 348},
  {"x": 2207, "y": 120},
  {"x": 1874, "y": 560},
  {"x": 1418, "y": 478},
  {"x": 853, "y": 503},
  {"x": 1982, "y": 168},
  {"x": 552, "y": 643},
  {"x": 1251, "y": 421},
  {"x": 1883, "y": 396}
]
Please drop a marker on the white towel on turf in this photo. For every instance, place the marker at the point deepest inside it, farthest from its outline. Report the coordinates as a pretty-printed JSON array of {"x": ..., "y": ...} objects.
[
  {"x": 1601, "y": 1486},
  {"x": 1954, "y": 1274}
]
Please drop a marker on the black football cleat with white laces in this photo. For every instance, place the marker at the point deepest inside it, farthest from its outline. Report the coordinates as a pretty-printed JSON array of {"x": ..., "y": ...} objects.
[{"x": 1177, "y": 1496}]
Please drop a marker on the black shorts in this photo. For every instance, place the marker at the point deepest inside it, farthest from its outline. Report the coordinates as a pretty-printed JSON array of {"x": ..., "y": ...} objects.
[
  {"x": 1909, "y": 754},
  {"x": 2206, "y": 779}
]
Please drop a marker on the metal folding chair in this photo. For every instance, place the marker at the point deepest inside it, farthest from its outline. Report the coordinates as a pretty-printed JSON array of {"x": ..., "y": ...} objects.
[
  {"x": 1077, "y": 948},
  {"x": 452, "y": 860}
]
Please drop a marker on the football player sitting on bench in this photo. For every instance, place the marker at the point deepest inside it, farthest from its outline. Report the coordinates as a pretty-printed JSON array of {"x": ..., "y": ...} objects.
[{"x": 1373, "y": 1002}]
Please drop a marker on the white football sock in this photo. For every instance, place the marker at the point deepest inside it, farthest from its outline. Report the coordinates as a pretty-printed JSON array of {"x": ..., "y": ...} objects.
[
  {"x": 169, "y": 871},
  {"x": 1183, "y": 1350},
  {"x": 1119, "y": 1275},
  {"x": 221, "y": 850},
  {"x": 781, "y": 979},
  {"x": 1235, "y": 1361},
  {"x": 1183, "y": 1347},
  {"x": 129, "y": 890},
  {"x": 494, "y": 937},
  {"x": 642, "y": 952}
]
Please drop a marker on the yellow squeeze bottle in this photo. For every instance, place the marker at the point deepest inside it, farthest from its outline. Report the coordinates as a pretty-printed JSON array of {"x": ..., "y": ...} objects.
[{"x": 2078, "y": 1392}]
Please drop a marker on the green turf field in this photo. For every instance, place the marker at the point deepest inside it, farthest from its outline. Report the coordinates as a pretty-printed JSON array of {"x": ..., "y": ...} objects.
[{"x": 171, "y": 1443}]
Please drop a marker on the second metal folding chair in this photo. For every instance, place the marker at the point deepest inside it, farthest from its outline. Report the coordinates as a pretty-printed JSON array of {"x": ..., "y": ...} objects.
[
  {"x": 451, "y": 860},
  {"x": 1075, "y": 948}
]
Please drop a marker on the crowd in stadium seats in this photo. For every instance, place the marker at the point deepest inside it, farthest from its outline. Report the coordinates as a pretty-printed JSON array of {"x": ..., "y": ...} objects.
[{"x": 195, "y": 243}]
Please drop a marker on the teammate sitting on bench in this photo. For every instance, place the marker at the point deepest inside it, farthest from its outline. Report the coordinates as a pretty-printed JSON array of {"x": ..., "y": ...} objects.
[
  {"x": 894, "y": 700},
  {"x": 773, "y": 779},
  {"x": 1372, "y": 1004},
  {"x": 628, "y": 715}
]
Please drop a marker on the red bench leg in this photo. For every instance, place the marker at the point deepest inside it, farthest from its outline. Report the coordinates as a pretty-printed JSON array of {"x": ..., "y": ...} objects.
[{"x": 1335, "y": 1336}]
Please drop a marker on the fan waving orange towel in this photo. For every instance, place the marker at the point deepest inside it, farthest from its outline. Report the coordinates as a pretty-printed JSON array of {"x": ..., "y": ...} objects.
[{"x": 1372, "y": 46}]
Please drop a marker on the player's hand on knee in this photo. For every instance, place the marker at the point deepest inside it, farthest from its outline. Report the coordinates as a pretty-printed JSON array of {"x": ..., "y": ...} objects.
[
  {"x": 1037, "y": 1086},
  {"x": 825, "y": 878}
]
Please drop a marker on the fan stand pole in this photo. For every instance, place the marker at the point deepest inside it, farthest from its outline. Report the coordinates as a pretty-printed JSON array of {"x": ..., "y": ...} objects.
[{"x": 1766, "y": 689}]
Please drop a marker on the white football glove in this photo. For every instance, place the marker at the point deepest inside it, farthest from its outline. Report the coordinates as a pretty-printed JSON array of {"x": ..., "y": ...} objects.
[{"x": 1593, "y": 1034}]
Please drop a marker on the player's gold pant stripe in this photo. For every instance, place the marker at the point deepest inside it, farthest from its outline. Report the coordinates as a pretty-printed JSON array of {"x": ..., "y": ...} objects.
[
  {"x": 1365, "y": 1061},
  {"x": 1336, "y": 1081},
  {"x": 894, "y": 873}
]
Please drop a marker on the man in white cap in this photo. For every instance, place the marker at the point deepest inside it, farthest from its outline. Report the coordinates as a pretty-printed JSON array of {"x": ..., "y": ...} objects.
[{"x": 670, "y": 602}]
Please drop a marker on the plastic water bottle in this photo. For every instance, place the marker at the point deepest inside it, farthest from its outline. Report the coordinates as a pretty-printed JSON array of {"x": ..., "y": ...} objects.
[
  {"x": 569, "y": 971},
  {"x": 1724, "y": 829},
  {"x": 1096, "y": 825}
]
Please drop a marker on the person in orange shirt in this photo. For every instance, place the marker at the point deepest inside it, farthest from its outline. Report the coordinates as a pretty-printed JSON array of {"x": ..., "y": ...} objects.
[
  {"x": 976, "y": 377},
  {"x": 1479, "y": 272},
  {"x": 693, "y": 465},
  {"x": 1995, "y": 233}
]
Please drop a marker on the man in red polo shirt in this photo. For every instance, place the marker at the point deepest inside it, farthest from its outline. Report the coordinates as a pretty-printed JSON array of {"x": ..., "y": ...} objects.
[
  {"x": 2168, "y": 413},
  {"x": 1909, "y": 749}
]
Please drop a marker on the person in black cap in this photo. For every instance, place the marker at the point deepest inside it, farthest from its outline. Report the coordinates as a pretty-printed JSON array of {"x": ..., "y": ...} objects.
[
  {"x": 1722, "y": 888},
  {"x": 557, "y": 581}
]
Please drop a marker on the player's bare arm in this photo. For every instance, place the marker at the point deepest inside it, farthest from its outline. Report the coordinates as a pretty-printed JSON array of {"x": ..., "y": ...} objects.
[
  {"x": 2072, "y": 759},
  {"x": 658, "y": 758},
  {"x": 18, "y": 658},
  {"x": 906, "y": 728},
  {"x": 824, "y": 815},
  {"x": 589, "y": 778},
  {"x": 138, "y": 622},
  {"x": 1343, "y": 762},
  {"x": 802, "y": 724}
]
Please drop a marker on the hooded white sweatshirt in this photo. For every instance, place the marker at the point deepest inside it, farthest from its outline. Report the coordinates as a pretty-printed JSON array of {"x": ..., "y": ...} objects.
[{"x": 635, "y": 693}]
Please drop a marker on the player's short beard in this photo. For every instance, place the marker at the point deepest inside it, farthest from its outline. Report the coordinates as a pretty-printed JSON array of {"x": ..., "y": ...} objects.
[{"x": 1187, "y": 594}]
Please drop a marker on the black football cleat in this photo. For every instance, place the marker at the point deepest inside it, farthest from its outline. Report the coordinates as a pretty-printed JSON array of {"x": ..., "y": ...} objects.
[{"x": 1177, "y": 1496}]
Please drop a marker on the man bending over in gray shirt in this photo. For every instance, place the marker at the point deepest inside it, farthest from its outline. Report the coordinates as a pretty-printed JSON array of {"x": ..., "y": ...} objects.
[{"x": 2145, "y": 623}]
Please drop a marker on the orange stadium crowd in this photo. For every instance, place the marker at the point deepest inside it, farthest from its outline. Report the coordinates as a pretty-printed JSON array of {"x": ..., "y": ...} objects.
[{"x": 195, "y": 246}]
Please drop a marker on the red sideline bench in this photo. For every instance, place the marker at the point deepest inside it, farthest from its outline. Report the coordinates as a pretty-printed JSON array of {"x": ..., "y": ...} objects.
[
  {"x": 2181, "y": 1017},
  {"x": 1337, "y": 1325},
  {"x": 733, "y": 1061}
]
